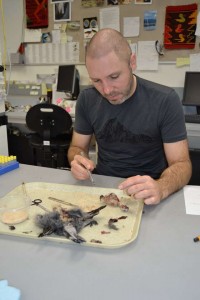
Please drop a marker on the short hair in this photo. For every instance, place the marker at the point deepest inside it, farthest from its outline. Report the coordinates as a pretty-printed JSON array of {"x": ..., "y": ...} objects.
[{"x": 107, "y": 40}]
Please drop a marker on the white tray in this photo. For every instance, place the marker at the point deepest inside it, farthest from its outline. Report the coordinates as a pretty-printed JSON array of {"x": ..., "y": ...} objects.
[{"x": 87, "y": 198}]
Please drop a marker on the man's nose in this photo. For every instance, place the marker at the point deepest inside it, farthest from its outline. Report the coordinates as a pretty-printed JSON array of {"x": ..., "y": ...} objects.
[{"x": 107, "y": 88}]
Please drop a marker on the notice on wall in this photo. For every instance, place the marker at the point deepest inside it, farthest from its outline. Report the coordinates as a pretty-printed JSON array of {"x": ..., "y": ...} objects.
[
  {"x": 147, "y": 57},
  {"x": 109, "y": 18},
  {"x": 131, "y": 26},
  {"x": 49, "y": 53}
]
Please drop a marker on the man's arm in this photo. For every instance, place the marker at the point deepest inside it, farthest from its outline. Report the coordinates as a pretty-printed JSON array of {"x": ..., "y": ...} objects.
[
  {"x": 173, "y": 178},
  {"x": 79, "y": 163},
  {"x": 179, "y": 172}
]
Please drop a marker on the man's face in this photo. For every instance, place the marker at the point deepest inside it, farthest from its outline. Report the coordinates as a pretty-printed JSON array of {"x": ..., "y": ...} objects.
[{"x": 112, "y": 77}]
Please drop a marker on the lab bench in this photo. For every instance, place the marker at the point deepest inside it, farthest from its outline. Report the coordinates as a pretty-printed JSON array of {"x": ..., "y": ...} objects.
[{"x": 162, "y": 263}]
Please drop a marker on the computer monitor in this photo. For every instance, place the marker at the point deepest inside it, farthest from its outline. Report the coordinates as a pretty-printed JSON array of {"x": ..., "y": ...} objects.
[
  {"x": 68, "y": 81},
  {"x": 191, "y": 91}
]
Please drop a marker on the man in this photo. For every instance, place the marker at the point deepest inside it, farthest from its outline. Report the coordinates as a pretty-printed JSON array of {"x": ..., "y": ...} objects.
[{"x": 138, "y": 125}]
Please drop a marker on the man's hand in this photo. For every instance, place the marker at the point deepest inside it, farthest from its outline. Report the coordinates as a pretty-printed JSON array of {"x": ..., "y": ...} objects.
[
  {"x": 142, "y": 187},
  {"x": 79, "y": 167}
]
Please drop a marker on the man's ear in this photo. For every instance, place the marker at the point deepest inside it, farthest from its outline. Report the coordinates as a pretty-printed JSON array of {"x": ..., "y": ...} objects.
[{"x": 133, "y": 61}]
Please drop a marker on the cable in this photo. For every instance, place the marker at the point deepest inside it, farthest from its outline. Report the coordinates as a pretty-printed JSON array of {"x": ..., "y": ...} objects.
[
  {"x": 6, "y": 54},
  {"x": 8, "y": 81},
  {"x": 159, "y": 47},
  {"x": 4, "y": 42}
]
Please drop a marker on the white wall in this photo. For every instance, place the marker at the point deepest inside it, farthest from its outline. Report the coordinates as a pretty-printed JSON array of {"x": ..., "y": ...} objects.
[
  {"x": 167, "y": 74},
  {"x": 13, "y": 17}
]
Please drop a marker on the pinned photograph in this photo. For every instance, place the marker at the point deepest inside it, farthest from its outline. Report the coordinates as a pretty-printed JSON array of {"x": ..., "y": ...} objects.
[
  {"x": 90, "y": 26},
  {"x": 62, "y": 11},
  {"x": 92, "y": 3},
  {"x": 46, "y": 37},
  {"x": 150, "y": 17}
]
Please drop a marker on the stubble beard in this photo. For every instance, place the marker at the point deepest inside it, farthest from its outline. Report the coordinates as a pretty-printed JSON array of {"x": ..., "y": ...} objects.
[{"x": 126, "y": 94}]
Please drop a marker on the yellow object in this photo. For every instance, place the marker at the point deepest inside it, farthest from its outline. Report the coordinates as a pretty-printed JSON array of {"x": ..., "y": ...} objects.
[
  {"x": 182, "y": 61},
  {"x": 5, "y": 159},
  {"x": 44, "y": 89}
]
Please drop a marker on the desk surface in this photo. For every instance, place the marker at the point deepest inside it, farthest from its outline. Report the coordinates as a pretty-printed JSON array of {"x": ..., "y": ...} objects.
[{"x": 162, "y": 263}]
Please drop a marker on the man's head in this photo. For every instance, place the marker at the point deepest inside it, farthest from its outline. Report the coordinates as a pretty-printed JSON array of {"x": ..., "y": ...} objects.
[
  {"x": 107, "y": 40},
  {"x": 110, "y": 62}
]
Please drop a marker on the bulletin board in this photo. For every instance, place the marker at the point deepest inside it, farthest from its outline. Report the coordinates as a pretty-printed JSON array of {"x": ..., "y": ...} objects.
[{"x": 78, "y": 13}]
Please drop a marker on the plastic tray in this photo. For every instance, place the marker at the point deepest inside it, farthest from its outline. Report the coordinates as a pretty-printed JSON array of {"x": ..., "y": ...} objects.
[{"x": 87, "y": 198}]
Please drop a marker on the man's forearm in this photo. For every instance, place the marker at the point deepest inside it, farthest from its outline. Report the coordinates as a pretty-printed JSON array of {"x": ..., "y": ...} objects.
[
  {"x": 72, "y": 151},
  {"x": 174, "y": 178}
]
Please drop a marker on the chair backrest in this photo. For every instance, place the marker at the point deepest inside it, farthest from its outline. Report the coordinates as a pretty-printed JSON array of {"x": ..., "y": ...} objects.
[{"x": 48, "y": 120}]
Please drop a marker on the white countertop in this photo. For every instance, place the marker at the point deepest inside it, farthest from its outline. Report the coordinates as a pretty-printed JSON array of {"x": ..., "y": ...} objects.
[{"x": 161, "y": 264}]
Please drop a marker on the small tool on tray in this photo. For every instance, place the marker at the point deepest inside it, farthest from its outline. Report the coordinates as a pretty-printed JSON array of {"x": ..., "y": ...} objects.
[
  {"x": 24, "y": 189},
  {"x": 61, "y": 201},
  {"x": 88, "y": 171},
  {"x": 38, "y": 202}
]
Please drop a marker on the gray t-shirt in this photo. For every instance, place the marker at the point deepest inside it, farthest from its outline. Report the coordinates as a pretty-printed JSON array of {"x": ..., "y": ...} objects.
[{"x": 130, "y": 136}]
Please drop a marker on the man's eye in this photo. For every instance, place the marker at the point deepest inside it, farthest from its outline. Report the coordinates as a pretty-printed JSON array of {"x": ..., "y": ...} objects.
[
  {"x": 95, "y": 80},
  {"x": 114, "y": 76}
]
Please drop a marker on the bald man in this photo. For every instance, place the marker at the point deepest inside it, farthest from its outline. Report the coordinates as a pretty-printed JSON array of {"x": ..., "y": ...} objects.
[{"x": 138, "y": 125}]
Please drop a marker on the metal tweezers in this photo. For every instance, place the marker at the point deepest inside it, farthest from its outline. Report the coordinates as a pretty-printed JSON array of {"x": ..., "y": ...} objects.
[
  {"x": 88, "y": 171},
  {"x": 61, "y": 201}
]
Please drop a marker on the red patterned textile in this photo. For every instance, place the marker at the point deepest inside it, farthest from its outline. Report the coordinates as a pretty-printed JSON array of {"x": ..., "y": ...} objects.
[
  {"x": 180, "y": 26},
  {"x": 36, "y": 14}
]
